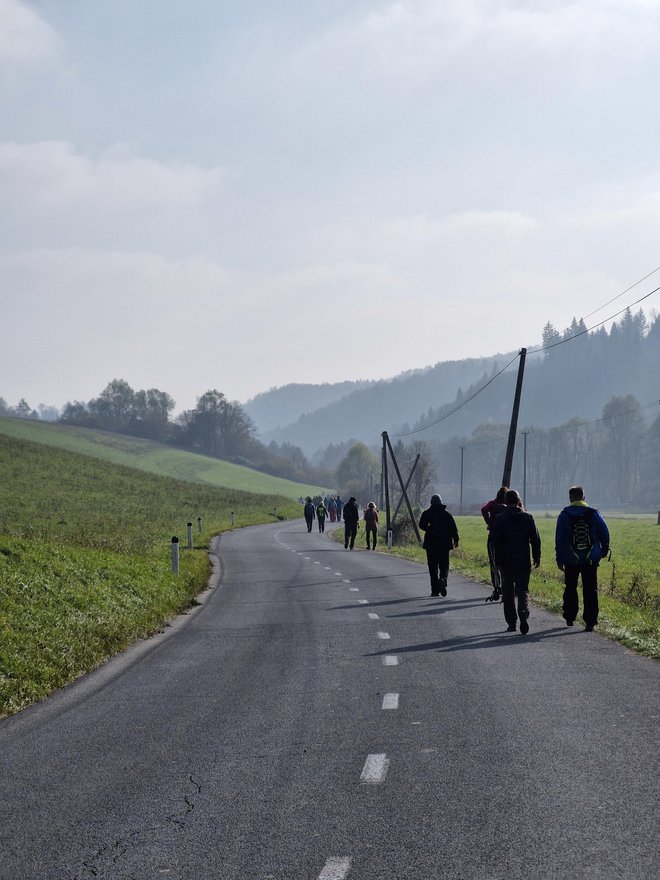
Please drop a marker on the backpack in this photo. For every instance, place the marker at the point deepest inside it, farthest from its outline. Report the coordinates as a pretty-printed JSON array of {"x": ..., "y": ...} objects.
[{"x": 581, "y": 542}]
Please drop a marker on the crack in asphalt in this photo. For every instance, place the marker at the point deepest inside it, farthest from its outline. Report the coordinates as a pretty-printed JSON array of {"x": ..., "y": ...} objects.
[{"x": 112, "y": 853}]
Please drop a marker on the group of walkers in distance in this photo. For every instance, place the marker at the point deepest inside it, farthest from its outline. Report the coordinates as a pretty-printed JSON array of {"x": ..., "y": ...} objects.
[{"x": 582, "y": 539}]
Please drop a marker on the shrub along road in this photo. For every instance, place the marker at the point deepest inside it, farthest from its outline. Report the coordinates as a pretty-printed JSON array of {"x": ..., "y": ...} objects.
[{"x": 319, "y": 716}]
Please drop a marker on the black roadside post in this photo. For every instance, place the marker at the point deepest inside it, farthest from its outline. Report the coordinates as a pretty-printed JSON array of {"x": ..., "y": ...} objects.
[
  {"x": 189, "y": 528},
  {"x": 199, "y": 524}
]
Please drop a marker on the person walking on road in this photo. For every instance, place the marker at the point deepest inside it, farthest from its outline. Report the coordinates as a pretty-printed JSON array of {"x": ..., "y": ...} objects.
[
  {"x": 582, "y": 539},
  {"x": 351, "y": 519},
  {"x": 440, "y": 536},
  {"x": 309, "y": 513},
  {"x": 371, "y": 525},
  {"x": 513, "y": 535},
  {"x": 339, "y": 504},
  {"x": 321, "y": 513},
  {"x": 490, "y": 511},
  {"x": 332, "y": 509}
]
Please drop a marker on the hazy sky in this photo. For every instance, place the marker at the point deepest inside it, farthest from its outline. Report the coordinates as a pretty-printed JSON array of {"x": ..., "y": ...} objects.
[{"x": 200, "y": 193}]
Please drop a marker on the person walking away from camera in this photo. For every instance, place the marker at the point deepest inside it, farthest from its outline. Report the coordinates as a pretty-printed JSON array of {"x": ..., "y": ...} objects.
[
  {"x": 440, "y": 536},
  {"x": 309, "y": 513},
  {"x": 339, "y": 505},
  {"x": 582, "y": 539},
  {"x": 490, "y": 511},
  {"x": 351, "y": 519},
  {"x": 371, "y": 525},
  {"x": 332, "y": 509},
  {"x": 514, "y": 535},
  {"x": 321, "y": 513}
]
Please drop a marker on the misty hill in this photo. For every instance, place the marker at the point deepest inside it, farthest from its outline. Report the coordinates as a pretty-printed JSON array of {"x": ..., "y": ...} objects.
[
  {"x": 275, "y": 409},
  {"x": 571, "y": 380},
  {"x": 575, "y": 378},
  {"x": 365, "y": 412}
]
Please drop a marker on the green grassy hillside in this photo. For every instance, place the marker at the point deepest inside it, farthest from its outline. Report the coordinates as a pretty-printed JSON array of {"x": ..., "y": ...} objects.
[
  {"x": 154, "y": 458},
  {"x": 85, "y": 559}
]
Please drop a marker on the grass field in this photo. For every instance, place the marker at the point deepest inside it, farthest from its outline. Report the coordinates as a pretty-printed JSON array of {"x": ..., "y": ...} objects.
[
  {"x": 629, "y": 584},
  {"x": 85, "y": 559},
  {"x": 154, "y": 458}
]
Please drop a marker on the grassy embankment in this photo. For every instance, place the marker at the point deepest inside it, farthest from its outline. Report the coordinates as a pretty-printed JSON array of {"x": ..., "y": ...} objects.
[
  {"x": 629, "y": 584},
  {"x": 85, "y": 558}
]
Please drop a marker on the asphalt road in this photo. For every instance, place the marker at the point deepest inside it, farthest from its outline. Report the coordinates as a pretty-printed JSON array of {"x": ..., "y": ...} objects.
[{"x": 320, "y": 717}]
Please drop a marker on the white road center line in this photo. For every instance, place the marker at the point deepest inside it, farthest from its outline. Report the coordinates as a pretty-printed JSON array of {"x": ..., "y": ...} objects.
[
  {"x": 362, "y": 601},
  {"x": 373, "y": 617},
  {"x": 345, "y": 581},
  {"x": 382, "y": 635},
  {"x": 353, "y": 589},
  {"x": 391, "y": 701},
  {"x": 375, "y": 769},
  {"x": 336, "y": 868},
  {"x": 390, "y": 660}
]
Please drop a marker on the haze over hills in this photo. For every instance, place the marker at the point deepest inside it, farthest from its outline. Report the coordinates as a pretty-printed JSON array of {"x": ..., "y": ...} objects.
[
  {"x": 366, "y": 409},
  {"x": 567, "y": 381}
]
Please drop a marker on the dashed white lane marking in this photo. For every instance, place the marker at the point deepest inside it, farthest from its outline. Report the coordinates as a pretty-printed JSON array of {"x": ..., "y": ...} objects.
[
  {"x": 338, "y": 573},
  {"x": 382, "y": 635},
  {"x": 374, "y": 617},
  {"x": 362, "y": 601},
  {"x": 307, "y": 557},
  {"x": 353, "y": 589},
  {"x": 336, "y": 868},
  {"x": 317, "y": 563},
  {"x": 327, "y": 568},
  {"x": 375, "y": 769},
  {"x": 346, "y": 581},
  {"x": 391, "y": 701},
  {"x": 390, "y": 660}
]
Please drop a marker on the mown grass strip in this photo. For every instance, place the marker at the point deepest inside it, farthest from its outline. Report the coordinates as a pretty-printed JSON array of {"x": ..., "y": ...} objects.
[{"x": 85, "y": 559}]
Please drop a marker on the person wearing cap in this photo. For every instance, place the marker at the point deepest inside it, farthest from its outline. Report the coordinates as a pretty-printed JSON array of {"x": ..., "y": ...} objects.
[
  {"x": 440, "y": 536},
  {"x": 351, "y": 519},
  {"x": 513, "y": 535}
]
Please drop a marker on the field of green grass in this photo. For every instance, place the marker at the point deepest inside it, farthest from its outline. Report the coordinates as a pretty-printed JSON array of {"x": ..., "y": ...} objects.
[
  {"x": 154, "y": 458},
  {"x": 85, "y": 559},
  {"x": 629, "y": 584}
]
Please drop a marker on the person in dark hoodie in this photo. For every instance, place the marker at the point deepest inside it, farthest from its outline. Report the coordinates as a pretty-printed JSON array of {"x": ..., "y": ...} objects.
[
  {"x": 582, "y": 539},
  {"x": 440, "y": 536},
  {"x": 490, "y": 511},
  {"x": 513, "y": 534},
  {"x": 351, "y": 519}
]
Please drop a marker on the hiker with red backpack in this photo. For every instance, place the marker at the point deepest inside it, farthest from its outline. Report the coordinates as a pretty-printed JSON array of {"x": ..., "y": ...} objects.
[
  {"x": 371, "y": 524},
  {"x": 582, "y": 539}
]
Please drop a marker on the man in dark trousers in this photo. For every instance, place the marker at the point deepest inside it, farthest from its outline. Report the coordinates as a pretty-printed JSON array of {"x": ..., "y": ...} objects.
[
  {"x": 440, "y": 536},
  {"x": 582, "y": 539},
  {"x": 309, "y": 512},
  {"x": 351, "y": 519},
  {"x": 513, "y": 534}
]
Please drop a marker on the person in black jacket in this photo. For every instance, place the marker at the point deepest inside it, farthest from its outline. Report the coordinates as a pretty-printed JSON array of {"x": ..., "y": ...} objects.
[
  {"x": 440, "y": 536},
  {"x": 351, "y": 519},
  {"x": 513, "y": 534}
]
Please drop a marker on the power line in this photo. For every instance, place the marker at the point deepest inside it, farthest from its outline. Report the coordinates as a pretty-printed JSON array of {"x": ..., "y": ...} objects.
[
  {"x": 460, "y": 405},
  {"x": 619, "y": 295},
  {"x": 595, "y": 326}
]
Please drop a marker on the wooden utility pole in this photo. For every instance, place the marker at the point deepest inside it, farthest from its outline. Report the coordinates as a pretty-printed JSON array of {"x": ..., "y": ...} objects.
[
  {"x": 511, "y": 445},
  {"x": 460, "y": 506},
  {"x": 403, "y": 488},
  {"x": 525, "y": 433},
  {"x": 386, "y": 485},
  {"x": 398, "y": 507}
]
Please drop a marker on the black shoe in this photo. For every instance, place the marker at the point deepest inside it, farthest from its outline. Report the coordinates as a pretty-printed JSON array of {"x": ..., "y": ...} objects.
[
  {"x": 524, "y": 626},
  {"x": 589, "y": 628},
  {"x": 443, "y": 590},
  {"x": 511, "y": 628},
  {"x": 434, "y": 595},
  {"x": 569, "y": 623}
]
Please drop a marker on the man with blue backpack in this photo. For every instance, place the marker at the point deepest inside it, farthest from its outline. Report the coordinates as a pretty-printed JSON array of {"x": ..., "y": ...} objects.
[{"x": 582, "y": 539}]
